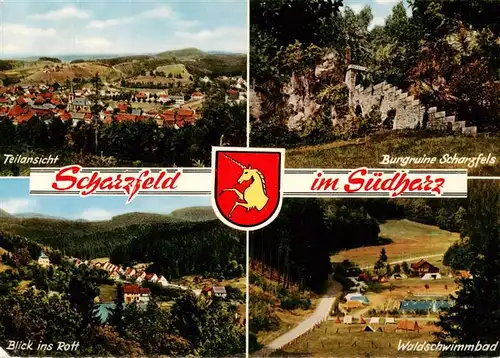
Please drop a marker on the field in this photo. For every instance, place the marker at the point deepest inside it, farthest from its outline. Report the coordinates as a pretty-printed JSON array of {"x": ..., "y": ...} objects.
[
  {"x": 178, "y": 69},
  {"x": 107, "y": 293},
  {"x": 411, "y": 241},
  {"x": 35, "y": 73},
  {"x": 368, "y": 152},
  {"x": 349, "y": 341}
]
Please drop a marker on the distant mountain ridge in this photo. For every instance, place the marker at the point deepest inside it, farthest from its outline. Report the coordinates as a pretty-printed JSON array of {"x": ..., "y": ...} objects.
[
  {"x": 195, "y": 213},
  {"x": 182, "y": 52},
  {"x": 37, "y": 215}
]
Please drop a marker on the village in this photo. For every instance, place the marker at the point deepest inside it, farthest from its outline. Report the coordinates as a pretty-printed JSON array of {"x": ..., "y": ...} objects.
[
  {"x": 19, "y": 103},
  {"x": 133, "y": 280}
]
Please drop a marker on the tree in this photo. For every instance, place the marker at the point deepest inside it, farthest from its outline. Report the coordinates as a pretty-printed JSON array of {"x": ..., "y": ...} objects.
[
  {"x": 405, "y": 267},
  {"x": 475, "y": 316},
  {"x": 116, "y": 316},
  {"x": 383, "y": 256}
]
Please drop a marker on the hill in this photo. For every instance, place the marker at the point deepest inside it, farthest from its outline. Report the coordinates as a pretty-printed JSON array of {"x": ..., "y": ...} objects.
[
  {"x": 36, "y": 215},
  {"x": 94, "y": 238},
  {"x": 69, "y": 72},
  {"x": 4, "y": 214},
  {"x": 185, "y": 52},
  {"x": 196, "y": 213}
]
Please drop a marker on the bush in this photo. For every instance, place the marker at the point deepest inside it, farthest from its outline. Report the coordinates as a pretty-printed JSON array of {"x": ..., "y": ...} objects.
[
  {"x": 234, "y": 293},
  {"x": 262, "y": 317},
  {"x": 294, "y": 301}
]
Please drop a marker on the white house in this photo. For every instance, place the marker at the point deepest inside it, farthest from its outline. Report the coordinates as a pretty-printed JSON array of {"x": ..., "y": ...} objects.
[
  {"x": 178, "y": 99},
  {"x": 133, "y": 293},
  {"x": 219, "y": 291},
  {"x": 141, "y": 275},
  {"x": 43, "y": 260},
  {"x": 432, "y": 276},
  {"x": 130, "y": 272},
  {"x": 197, "y": 96},
  {"x": 151, "y": 277}
]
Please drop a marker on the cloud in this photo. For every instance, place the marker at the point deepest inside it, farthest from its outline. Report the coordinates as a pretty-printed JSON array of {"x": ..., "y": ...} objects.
[
  {"x": 356, "y": 8},
  {"x": 95, "y": 214},
  {"x": 69, "y": 12},
  {"x": 161, "y": 12},
  {"x": 377, "y": 21},
  {"x": 93, "y": 43},
  {"x": 385, "y": 1},
  {"x": 100, "y": 24},
  {"x": 222, "y": 39},
  {"x": 17, "y": 205},
  {"x": 23, "y": 30}
]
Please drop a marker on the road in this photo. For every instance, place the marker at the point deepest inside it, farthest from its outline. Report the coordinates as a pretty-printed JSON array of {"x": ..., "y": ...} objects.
[
  {"x": 322, "y": 310},
  {"x": 410, "y": 259}
]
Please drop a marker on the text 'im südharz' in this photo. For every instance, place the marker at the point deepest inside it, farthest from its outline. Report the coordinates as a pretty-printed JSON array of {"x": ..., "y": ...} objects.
[
  {"x": 70, "y": 178},
  {"x": 362, "y": 180}
]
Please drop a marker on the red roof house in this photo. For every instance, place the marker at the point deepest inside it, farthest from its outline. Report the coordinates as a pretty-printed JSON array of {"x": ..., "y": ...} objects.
[{"x": 15, "y": 111}]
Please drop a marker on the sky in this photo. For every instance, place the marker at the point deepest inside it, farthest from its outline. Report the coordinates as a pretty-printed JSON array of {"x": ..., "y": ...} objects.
[
  {"x": 380, "y": 8},
  {"x": 15, "y": 199},
  {"x": 36, "y": 27}
]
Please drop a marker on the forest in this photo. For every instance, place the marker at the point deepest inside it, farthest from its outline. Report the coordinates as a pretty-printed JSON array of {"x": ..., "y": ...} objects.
[
  {"x": 127, "y": 143},
  {"x": 444, "y": 53},
  {"x": 297, "y": 246},
  {"x": 174, "y": 248},
  {"x": 61, "y": 307}
]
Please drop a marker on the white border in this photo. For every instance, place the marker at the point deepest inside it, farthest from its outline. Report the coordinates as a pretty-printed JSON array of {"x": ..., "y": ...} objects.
[{"x": 282, "y": 177}]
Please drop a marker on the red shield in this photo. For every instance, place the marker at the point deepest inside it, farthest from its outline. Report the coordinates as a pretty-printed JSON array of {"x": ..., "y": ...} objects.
[{"x": 247, "y": 185}]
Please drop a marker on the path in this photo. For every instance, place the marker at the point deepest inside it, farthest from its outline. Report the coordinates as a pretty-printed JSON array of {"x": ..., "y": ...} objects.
[
  {"x": 407, "y": 260},
  {"x": 322, "y": 310}
]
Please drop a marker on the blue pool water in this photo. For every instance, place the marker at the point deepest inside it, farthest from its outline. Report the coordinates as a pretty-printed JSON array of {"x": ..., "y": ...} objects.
[
  {"x": 105, "y": 310},
  {"x": 423, "y": 305}
]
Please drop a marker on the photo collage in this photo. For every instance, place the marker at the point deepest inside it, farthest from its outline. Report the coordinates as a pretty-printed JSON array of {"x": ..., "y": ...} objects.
[{"x": 250, "y": 178}]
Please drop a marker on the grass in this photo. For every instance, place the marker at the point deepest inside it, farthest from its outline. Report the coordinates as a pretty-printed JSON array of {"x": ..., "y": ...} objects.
[
  {"x": 368, "y": 151},
  {"x": 288, "y": 318},
  {"x": 107, "y": 293},
  {"x": 178, "y": 69},
  {"x": 410, "y": 240},
  {"x": 349, "y": 341},
  {"x": 4, "y": 267}
]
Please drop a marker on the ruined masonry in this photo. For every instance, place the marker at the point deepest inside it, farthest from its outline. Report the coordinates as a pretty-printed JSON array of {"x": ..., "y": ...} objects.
[{"x": 409, "y": 112}]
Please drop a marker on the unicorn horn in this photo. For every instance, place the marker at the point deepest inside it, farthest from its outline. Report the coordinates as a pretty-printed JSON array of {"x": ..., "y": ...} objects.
[{"x": 234, "y": 161}]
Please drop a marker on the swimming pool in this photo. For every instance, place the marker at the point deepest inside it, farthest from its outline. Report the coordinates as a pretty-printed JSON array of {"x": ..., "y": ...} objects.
[{"x": 423, "y": 305}]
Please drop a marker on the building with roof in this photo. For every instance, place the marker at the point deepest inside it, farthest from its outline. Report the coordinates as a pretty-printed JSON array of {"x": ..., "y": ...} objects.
[
  {"x": 134, "y": 293},
  {"x": 422, "y": 267},
  {"x": 43, "y": 260}
]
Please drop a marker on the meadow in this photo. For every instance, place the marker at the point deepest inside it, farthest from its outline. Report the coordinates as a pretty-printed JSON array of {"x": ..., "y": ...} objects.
[
  {"x": 369, "y": 151},
  {"x": 410, "y": 241}
]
